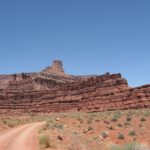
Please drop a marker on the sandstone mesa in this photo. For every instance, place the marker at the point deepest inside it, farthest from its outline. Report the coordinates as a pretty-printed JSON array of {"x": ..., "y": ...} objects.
[{"x": 52, "y": 90}]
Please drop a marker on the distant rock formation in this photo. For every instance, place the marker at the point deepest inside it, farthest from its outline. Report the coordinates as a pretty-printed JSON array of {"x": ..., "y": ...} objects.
[
  {"x": 56, "y": 68},
  {"x": 52, "y": 90}
]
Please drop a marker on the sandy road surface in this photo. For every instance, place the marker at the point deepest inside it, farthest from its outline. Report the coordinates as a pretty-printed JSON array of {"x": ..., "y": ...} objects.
[{"x": 20, "y": 138}]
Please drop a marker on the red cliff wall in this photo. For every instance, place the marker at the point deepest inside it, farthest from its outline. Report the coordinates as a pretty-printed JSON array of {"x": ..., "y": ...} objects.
[{"x": 56, "y": 91}]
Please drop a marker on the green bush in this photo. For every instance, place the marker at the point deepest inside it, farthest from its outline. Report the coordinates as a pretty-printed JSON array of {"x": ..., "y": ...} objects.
[
  {"x": 121, "y": 136},
  {"x": 132, "y": 133},
  {"x": 104, "y": 134},
  {"x": 114, "y": 118}
]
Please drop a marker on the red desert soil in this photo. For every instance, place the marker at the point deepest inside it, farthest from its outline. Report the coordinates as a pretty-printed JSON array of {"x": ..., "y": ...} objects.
[
  {"x": 20, "y": 138},
  {"x": 83, "y": 131}
]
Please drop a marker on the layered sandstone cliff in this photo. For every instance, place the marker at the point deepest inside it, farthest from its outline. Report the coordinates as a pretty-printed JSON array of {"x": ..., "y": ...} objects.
[{"x": 51, "y": 90}]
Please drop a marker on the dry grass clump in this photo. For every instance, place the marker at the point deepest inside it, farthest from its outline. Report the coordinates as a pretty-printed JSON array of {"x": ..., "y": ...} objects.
[
  {"x": 44, "y": 141},
  {"x": 10, "y": 122},
  {"x": 129, "y": 146}
]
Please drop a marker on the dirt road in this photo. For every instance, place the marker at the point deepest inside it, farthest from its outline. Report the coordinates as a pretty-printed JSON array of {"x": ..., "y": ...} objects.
[{"x": 21, "y": 138}]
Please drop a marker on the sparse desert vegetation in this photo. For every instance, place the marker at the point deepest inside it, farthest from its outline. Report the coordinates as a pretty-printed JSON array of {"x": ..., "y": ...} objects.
[
  {"x": 13, "y": 121},
  {"x": 44, "y": 141},
  {"x": 130, "y": 146},
  {"x": 112, "y": 130}
]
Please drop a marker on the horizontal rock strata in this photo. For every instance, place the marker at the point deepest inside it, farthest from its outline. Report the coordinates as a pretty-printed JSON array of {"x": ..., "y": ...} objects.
[{"x": 51, "y": 90}]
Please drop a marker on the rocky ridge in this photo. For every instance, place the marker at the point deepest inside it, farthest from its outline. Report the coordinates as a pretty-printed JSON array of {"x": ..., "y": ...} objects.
[{"x": 52, "y": 90}]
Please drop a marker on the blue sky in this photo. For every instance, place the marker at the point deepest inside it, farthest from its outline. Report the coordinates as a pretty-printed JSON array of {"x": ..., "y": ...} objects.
[{"x": 90, "y": 36}]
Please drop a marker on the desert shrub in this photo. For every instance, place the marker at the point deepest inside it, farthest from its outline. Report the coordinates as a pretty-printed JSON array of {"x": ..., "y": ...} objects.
[
  {"x": 110, "y": 128},
  {"x": 143, "y": 119},
  {"x": 128, "y": 118},
  {"x": 90, "y": 128},
  {"x": 104, "y": 134},
  {"x": 118, "y": 114},
  {"x": 114, "y": 118},
  {"x": 44, "y": 141},
  {"x": 132, "y": 133},
  {"x": 80, "y": 120},
  {"x": 127, "y": 123},
  {"x": 48, "y": 124},
  {"x": 59, "y": 126},
  {"x": 121, "y": 136}
]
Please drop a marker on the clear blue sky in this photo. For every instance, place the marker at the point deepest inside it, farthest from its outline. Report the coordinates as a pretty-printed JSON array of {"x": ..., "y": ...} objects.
[{"x": 90, "y": 36}]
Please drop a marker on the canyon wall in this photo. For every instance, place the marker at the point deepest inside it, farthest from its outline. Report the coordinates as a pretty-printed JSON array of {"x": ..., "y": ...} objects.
[{"x": 52, "y": 90}]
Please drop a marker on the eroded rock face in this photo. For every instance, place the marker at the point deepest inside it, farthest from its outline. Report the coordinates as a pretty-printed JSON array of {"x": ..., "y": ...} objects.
[
  {"x": 51, "y": 90},
  {"x": 56, "y": 68}
]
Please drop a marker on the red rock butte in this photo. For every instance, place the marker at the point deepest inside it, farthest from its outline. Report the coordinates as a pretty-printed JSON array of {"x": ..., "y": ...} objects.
[{"x": 52, "y": 90}]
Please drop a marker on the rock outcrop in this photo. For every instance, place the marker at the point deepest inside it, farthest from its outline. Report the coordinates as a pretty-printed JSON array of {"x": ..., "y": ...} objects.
[
  {"x": 51, "y": 90},
  {"x": 56, "y": 68}
]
